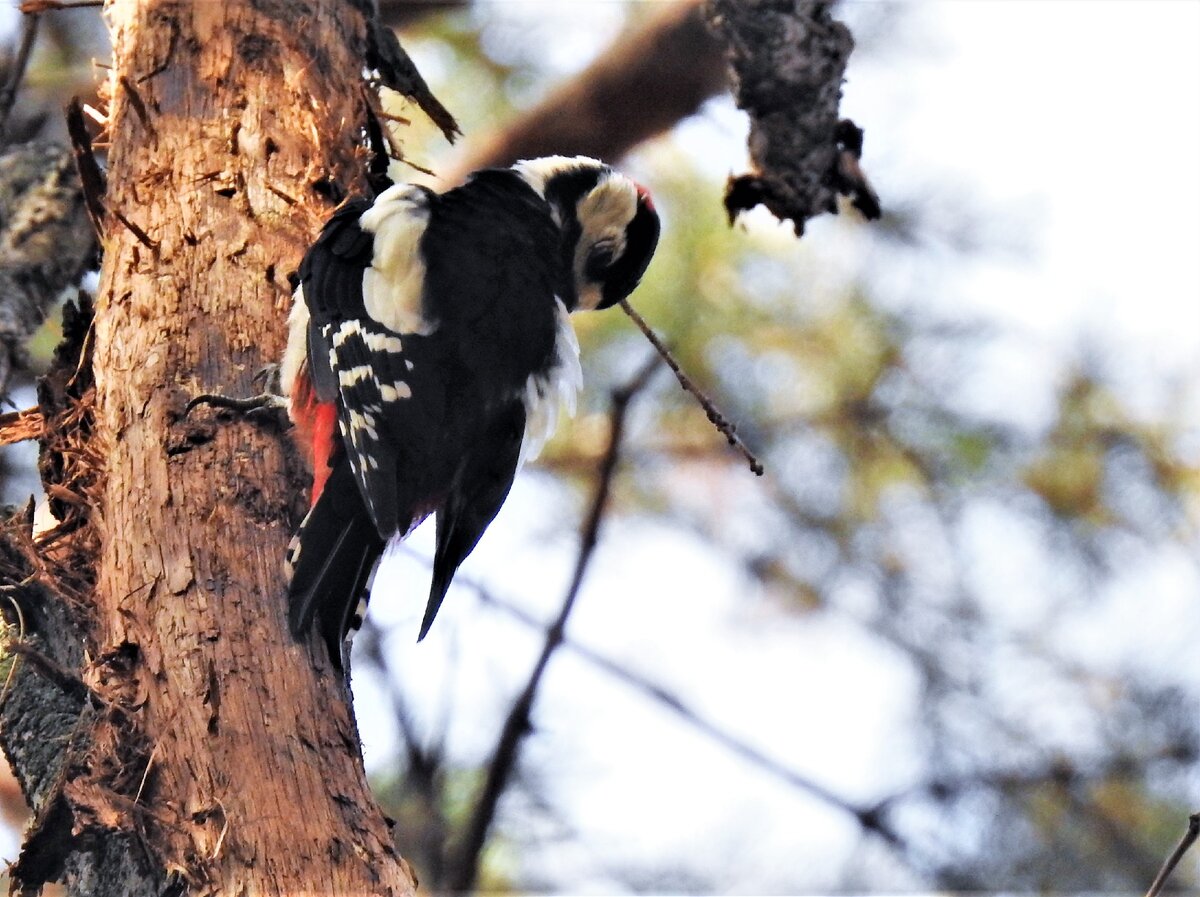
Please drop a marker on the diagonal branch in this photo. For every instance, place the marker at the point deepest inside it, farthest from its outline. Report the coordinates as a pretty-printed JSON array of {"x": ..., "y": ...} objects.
[
  {"x": 604, "y": 111},
  {"x": 1188, "y": 839},
  {"x": 8, "y": 91},
  {"x": 724, "y": 426},
  {"x": 424, "y": 769},
  {"x": 870, "y": 817},
  {"x": 463, "y": 869}
]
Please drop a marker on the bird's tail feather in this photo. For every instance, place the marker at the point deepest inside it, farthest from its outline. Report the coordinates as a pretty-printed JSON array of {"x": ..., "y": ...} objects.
[
  {"x": 438, "y": 587},
  {"x": 330, "y": 561}
]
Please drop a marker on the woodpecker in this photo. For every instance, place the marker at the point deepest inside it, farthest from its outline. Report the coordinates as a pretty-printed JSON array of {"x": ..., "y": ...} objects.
[{"x": 429, "y": 350}]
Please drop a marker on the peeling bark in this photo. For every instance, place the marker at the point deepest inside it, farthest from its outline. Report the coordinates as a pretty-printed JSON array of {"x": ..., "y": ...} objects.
[
  {"x": 789, "y": 58},
  {"x": 46, "y": 242},
  {"x": 195, "y": 746}
]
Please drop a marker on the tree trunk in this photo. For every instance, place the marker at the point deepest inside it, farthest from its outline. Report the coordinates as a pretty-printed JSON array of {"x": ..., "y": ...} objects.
[{"x": 212, "y": 754}]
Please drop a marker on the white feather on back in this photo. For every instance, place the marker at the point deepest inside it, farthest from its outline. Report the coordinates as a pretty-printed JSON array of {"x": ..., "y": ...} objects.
[
  {"x": 296, "y": 351},
  {"x": 558, "y": 387},
  {"x": 394, "y": 285}
]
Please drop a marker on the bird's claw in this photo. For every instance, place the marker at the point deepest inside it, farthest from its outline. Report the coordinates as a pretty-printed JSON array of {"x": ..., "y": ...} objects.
[{"x": 264, "y": 403}]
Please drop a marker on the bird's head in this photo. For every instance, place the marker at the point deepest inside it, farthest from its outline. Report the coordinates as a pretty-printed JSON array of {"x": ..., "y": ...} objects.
[{"x": 608, "y": 223}]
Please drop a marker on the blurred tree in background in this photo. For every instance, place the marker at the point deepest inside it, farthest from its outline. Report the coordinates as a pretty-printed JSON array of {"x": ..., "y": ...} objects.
[{"x": 947, "y": 523}]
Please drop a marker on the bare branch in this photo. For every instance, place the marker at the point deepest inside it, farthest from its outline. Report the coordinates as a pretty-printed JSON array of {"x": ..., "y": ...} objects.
[
  {"x": 8, "y": 91},
  {"x": 790, "y": 58},
  {"x": 603, "y": 111},
  {"x": 90, "y": 176},
  {"x": 37, "y": 6},
  {"x": 18, "y": 426},
  {"x": 672, "y": 702},
  {"x": 718, "y": 420},
  {"x": 424, "y": 767},
  {"x": 1185, "y": 843},
  {"x": 871, "y": 817}
]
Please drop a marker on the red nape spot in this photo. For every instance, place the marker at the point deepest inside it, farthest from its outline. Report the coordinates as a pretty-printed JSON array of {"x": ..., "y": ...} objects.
[
  {"x": 644, "y": 196},
  {"x": 324, "y": 441}
]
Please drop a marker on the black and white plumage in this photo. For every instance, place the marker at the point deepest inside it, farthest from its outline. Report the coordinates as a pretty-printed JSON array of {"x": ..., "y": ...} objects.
[{"x": 429, "y": 350}]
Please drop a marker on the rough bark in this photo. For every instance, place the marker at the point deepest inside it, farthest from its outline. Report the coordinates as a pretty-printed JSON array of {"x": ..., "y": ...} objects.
[
  {"x": 789, "y": 57},
  {"x": 204, "y": 750},
  {"x": 46, "y": 241}
]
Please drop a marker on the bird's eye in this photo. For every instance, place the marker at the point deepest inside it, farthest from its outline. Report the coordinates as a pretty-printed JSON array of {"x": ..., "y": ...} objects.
[{"x": 599, "y": 259}]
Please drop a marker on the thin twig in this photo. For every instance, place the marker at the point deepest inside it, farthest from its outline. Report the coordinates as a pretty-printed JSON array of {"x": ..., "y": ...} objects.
[
  {"x": 1188, "y": 839},
  {"x": 20, "y": 636},
  {"x": 869, "y": 816},
  {"x": 463, "y": 871},
  {"x": 718, "y": 420},
  {"x": 398, "y": 119},
  {"x": 146, "y": 772},
  {"x": 8, "y": 91},
  {"x": 426, "y": 761},
  {"x": 216, "y": 851},
  {"x": 286, "y": 197}
]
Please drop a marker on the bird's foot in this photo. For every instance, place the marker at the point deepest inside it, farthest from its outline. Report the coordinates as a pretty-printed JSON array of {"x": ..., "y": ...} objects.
[{"x": 268, "y": 402}]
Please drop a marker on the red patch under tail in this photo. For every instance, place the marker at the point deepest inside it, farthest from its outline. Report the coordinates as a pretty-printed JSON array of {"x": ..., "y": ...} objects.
[{"x": 316, "y": 430}]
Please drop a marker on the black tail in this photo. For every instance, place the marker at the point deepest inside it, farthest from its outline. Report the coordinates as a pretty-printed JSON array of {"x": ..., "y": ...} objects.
[
  {"x": 330, "y": 559},
  {"x": 475, "y": 498}
]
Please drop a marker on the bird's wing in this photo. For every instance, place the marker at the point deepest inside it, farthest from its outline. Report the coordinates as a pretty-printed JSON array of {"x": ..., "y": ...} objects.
[
  {"x": 480, "y": 486},
  {"x": 362, "y": 282},
  {"x": 428, "y": 315}
]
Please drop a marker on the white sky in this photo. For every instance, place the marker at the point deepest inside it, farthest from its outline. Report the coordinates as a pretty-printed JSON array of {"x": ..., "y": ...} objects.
[{"x": 1084, "y": 120}]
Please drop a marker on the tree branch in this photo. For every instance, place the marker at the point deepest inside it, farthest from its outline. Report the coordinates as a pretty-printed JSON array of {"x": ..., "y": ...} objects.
[
  {"x": 423, "y": 773},
  {"x": 402, "y": 13},
  {"x": 603, "y": 111},
  {"x": 1185, "y": 843},
  {"x": 724, "y": 426},
  {"x": 790, "y": 57},
  {"x": 8, "y": 91},
  {"x": 676, "y": 705}
]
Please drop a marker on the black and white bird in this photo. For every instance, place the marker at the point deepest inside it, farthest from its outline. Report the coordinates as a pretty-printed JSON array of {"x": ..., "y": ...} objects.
[{"x": 429, "y": 350}]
